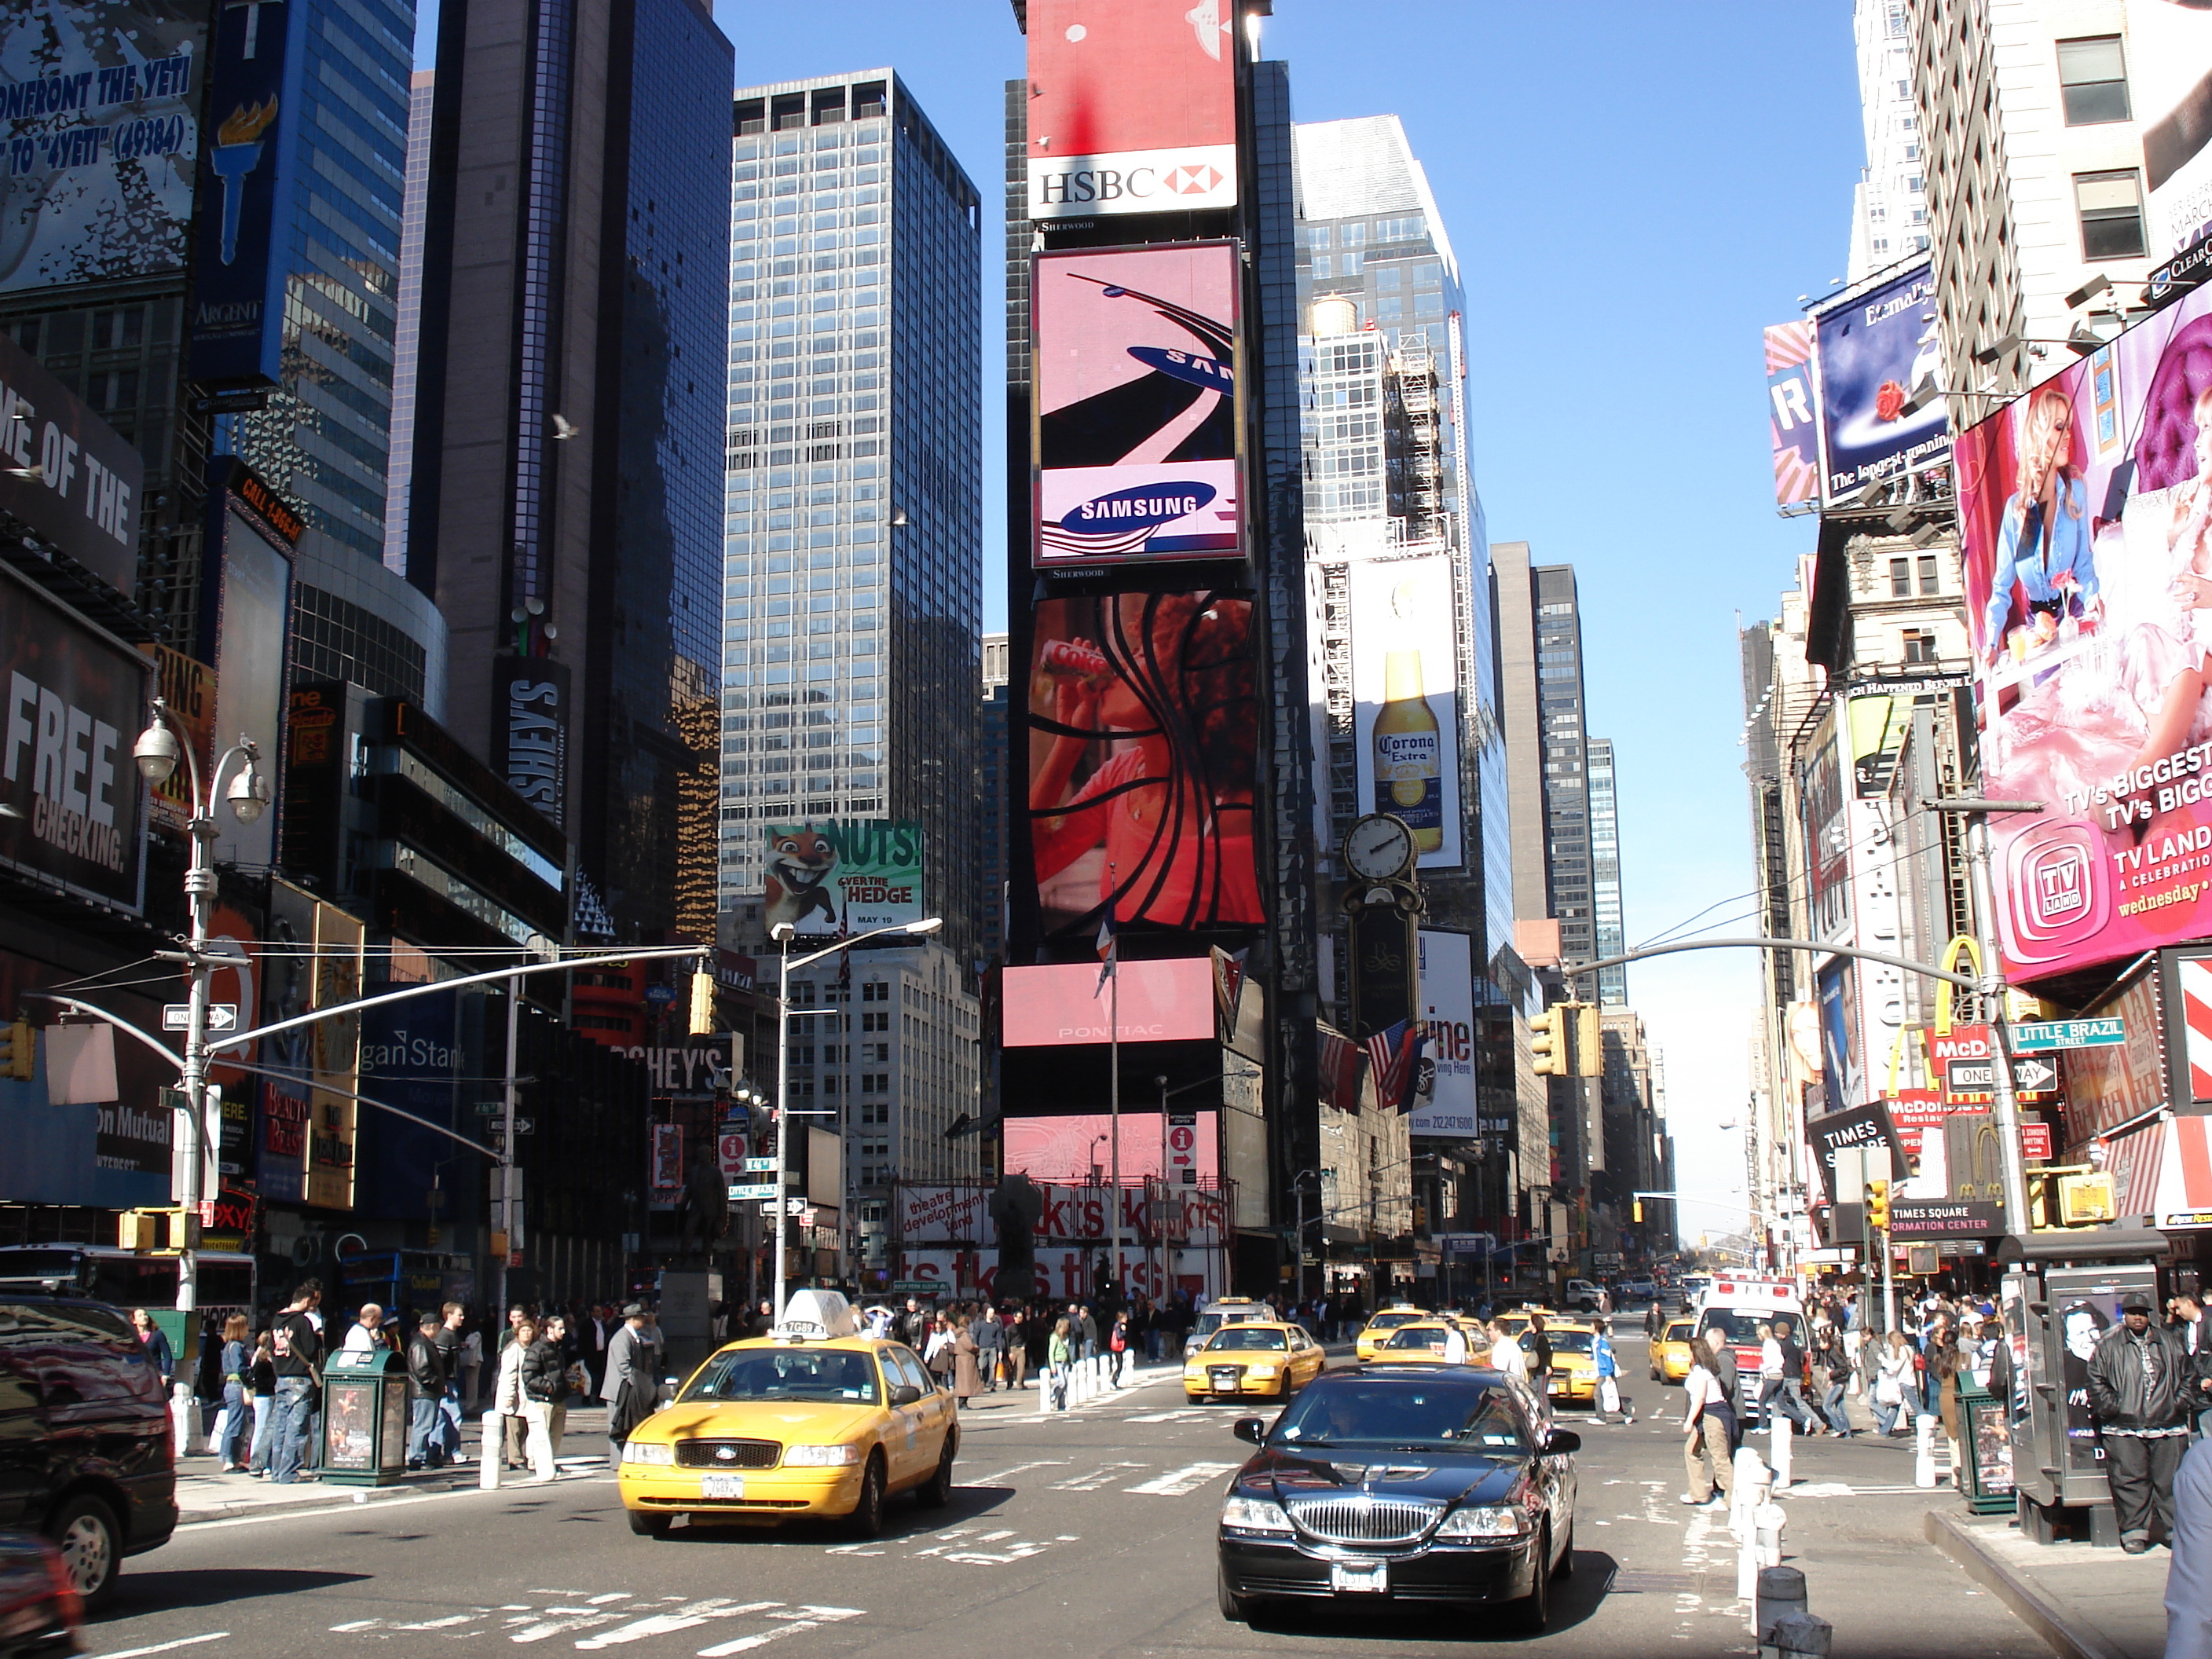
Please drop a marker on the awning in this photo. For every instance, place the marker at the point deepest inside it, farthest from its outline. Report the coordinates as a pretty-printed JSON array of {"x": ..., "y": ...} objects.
[{"x": 2185, "y": 1174}]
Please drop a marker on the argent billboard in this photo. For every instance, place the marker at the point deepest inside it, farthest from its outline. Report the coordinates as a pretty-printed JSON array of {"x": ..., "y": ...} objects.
[{"x": 1875, "y": 346}]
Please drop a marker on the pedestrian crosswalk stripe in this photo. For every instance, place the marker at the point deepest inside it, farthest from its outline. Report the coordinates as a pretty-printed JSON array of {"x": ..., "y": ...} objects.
[{"x": 1177, "y": 1482}]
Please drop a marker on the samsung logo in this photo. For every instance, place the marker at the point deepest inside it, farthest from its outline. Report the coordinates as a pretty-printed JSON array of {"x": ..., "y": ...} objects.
[{"x": 1133, "y": 509}]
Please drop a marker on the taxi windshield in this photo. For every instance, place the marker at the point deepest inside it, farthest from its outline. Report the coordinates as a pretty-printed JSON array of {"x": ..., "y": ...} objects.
[
  {"x": 1678, "y": 1330},
  {"x": 1391, "y": 1321},
  {"x": 1210, "y": 1322},
  {"x": 837, "y": 1376},
  {"x": 1571, "y": 1341},
  {"x": 1397, "y": 1413},
  {"x": 1417, "y": 1336},
  {"x": 1239, "y": 1336}
]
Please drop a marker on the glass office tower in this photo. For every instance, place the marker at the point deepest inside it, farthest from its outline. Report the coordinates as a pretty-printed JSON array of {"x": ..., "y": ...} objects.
[{"x": 852, "y": 518}]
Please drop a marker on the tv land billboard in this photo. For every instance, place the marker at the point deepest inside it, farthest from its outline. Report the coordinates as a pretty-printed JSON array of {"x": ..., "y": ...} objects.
[
  {"x": 98, "y": 138},
  {"x": 844, "y": 876},
  {"x": 1873, "y": 350},
  {"x": 1143, "y": 719},
  {"x": 2086, "y": 521},
  {"x": 1443, "y": 1096},
  {"x": 1131, "y": 106},
  {"x": 1405, "y": 680},
  {"x": 1135, "y": 405},
  {"x": 1791, "y": 401}
]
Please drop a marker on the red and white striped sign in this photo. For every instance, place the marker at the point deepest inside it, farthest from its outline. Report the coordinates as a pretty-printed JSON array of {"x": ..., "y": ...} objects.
[{"x": 2197, "y": 1020}]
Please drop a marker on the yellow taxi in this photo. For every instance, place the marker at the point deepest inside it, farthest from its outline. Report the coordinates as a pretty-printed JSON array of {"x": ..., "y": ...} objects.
[
  {"x": 1377, "y": 1330},
  {"x": 1423, "y": 1341},
  {"x": 1252, "y": 1357},
  {"x": 1670, "y": 1354},
  {"x": 1514, "y": 1323},
  {"x": 812, "y": 1420},
  {"x": 1574, "y": 1360}
]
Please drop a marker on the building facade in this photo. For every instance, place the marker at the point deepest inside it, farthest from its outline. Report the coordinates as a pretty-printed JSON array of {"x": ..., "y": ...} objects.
[
  {"x": 1889, "y": 207},
  {"x": 407, "y": 329},
  {"x": 1610, "y": 928},
  {"x": 852, "y": 521}
]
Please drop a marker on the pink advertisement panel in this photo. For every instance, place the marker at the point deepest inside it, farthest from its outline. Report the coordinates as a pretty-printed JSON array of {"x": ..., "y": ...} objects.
[
  {"x": 1048, "y": 1149},
  {"x": 2086, "y": 517},
  {"x": 1168, "y": 1000}
]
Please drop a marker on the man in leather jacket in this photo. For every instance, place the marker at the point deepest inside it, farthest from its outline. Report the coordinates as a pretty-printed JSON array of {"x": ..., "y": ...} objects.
[
  {"x": 2140, "y": 1377},
  {"x": 426, "y": 1393}
]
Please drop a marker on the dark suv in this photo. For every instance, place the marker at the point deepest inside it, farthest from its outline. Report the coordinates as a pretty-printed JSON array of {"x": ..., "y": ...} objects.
[{"x": 87, "y": 1449}]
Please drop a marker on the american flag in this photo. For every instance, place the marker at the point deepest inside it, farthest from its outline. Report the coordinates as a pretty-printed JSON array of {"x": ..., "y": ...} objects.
[
  {"x": 1339, "y": 1070},
  {"x": 1110, "y": 947},
  {"x": 1392, "y": 1052}
]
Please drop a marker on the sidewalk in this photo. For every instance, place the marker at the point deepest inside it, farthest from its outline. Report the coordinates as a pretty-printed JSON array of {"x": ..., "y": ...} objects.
[{"x": 2086, "y": 1603}]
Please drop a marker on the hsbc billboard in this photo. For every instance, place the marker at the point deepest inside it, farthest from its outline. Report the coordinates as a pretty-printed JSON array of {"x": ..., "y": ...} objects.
[{"x": 1132, "y": 106}]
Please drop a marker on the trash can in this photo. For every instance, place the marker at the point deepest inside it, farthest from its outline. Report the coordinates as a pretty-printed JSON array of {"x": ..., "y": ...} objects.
[
  {"x": 1986, "y": 1482},
  {"x": 364, "y": 1419}
]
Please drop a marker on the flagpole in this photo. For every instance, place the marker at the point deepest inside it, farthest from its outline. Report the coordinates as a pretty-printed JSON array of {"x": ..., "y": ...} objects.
[{"x": 1114, "y": 1083}]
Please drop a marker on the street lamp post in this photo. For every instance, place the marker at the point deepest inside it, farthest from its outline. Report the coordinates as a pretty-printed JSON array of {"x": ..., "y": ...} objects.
[
  {"x": 157, "y": 751},
  {"x": 783, "y": 934}
]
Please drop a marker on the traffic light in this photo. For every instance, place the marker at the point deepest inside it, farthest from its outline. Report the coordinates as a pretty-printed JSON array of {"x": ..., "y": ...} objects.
[
  {"x": 702, "y": 1005},
  {"x": 19, "y": 1049},
  {"x": 161, "y": 1231},
  {"x": 1877, "y": 1206},
  {"x": 1589, "y": 1052},
  {"x": 1549, "y": 1040},
  {"x": 1639, "y": 1209}
]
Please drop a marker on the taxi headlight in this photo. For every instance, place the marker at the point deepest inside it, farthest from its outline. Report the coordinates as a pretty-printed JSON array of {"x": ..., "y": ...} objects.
[
  {"x": 819, "y": 1457},
  {"x": 647, "y": 1451},
  {"x": 1259, "y": 1373},
  {"x": 1255, "y": 1515},
  {"x": 1498, "y": 1522}
]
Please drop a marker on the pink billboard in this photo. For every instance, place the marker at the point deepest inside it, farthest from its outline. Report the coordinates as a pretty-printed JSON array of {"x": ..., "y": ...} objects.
[
  {"x": 2086, "y": 519},
  {"x": 1050, "y": 1149},
  {"x": 1169, "y": 1000},
  {"x": 1136, "y": 407}
]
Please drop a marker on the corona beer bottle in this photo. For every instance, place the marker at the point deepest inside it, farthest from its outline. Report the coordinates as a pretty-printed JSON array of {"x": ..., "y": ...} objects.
[{"x": 1409, "y": 752}]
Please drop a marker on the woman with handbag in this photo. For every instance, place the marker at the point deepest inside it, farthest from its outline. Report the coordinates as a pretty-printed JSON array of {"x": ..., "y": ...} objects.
[
  {"x": 233, "y": 1444},
  {"x": 967, "y": 1376},
  {"x": 1059, "y": 1354},
  {"x": 507, "y": 1391},
  {"x": 1893, "y": 1370},
  {"x": 539, "y": 1371}
]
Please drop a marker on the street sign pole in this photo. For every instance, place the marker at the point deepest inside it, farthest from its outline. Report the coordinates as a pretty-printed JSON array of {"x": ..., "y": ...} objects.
[{"x": 2004, "y": 1107}]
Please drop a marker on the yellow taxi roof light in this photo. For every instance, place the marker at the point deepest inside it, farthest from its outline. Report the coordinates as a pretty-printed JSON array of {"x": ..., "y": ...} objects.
[{"x": 820, "y": 1315}]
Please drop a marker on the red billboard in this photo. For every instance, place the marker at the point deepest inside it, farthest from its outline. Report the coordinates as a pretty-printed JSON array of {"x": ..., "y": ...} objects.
[
  {"x": 1157, "y": 1001},
  {"x": 1132, "y": 108},
  {"x": 1135, "y": 405},
  {"x": 1142, "y": 717}
]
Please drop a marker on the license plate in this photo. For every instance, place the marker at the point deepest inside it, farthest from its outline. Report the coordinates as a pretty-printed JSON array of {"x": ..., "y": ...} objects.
[
  {"x": 1225, "y": 1381},
  {"x": 1553, "y": 1387},
  {"x": 721, "y": 1485},
  {"x": 1360, "y": 1578}
]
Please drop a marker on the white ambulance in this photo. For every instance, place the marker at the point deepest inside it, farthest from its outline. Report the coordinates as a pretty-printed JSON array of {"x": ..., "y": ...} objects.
[{"x": 1736, "y": 1305}]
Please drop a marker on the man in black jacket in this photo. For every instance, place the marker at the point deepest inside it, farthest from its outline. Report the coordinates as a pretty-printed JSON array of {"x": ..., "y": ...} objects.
[
  {"x": 426, "y": 1394},
  {"x": 2139, "y": 1376},
  {"x": 299, "y": 1367}
]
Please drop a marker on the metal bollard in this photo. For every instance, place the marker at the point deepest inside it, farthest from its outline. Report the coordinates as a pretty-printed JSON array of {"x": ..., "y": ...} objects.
[
  {"x": 492, "y": 1452},
  {"x": 1800, "y": 1635},
  {"x": 1781, "y": 1596},
  {"x": 1779, "y": 1438},
  {"x": 185, "y": 1421},
  {"x": 1044, "y": 1394},
  {"x": 1923, "y": 1453},
  {"x": 1768, "y": 1521}
]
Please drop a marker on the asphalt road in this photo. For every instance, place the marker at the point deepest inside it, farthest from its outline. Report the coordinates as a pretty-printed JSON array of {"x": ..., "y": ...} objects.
[{"x": 1087, "y": 1535}]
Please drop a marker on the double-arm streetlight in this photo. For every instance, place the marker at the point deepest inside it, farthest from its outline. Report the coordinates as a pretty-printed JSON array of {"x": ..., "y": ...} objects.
[
  {"x": 157, "y": 751},
  {"x": 783, "y": 933}
]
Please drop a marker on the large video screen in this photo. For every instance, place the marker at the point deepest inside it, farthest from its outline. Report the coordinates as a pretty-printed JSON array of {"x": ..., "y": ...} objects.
[{"x": 1143, "y": 720}]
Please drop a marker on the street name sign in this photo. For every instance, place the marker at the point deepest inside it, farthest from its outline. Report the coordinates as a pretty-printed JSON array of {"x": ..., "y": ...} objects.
[{"x": 2045, "y": 1036}]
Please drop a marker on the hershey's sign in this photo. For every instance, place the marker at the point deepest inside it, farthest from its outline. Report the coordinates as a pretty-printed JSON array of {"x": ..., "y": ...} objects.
[{"x": 529, "y": 715}]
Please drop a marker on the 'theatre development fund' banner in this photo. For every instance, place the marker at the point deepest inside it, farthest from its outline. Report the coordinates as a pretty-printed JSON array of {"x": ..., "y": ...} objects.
[
  {"x": 1132, "y": 106},
  {"x": 98, "y": 139},
  {"x": 2086, "y": 517},
  {"x": 844, "y": 876},
  {"x": 1874, "y": 349},
  {"x": 1135, "y": 441}
]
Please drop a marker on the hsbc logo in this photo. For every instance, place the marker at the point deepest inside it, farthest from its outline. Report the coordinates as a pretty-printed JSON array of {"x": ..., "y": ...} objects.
[
  {"x": 1192, "y": 181},
  {"x": 1137, "y": 181}
]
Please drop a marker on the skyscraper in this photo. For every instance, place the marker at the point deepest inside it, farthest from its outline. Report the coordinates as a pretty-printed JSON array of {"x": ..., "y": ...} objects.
[
  {"x": 566, "y": 487},
  {"x": 991, "y": 772},
  {"x": 1609, "y": 930},
  {"x": 1889, "y": 208},
  {"x": 852, "y": 524},
  {"x": 407, "y": 330}
]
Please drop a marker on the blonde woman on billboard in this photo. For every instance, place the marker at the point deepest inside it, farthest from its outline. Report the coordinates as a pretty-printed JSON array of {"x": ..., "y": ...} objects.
[
  {"x": 2043, "y": 541},
  {"x": 2189, "y": 540}
]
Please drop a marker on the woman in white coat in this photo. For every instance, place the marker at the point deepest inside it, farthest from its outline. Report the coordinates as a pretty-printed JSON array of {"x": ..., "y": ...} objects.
[{"x": 507, "y": 1392}]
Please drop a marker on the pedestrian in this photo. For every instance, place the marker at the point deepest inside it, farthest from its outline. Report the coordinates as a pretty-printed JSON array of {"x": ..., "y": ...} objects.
[
  {"x": 297, "y": 1356},
  {"x": 967, "y": 1380},
  {"x": 543, "y": 1384},
  {"x": 1506, "y": 1353},
  {"x": 1015, "y": 1339},
  {"x": 2138, "y": 1378},
  {"x": 263, "y": 1373},
  {"x": 1831, "y": 1371},
  {"x": 426, "y": 1396},
  {"x": 1117, "y": 1345},
  {"x": 990, "y": 1345},
  {"x": 915, "y": 1326},
  {"x": 515, "y": 1315},
  {"x": 452, "y": 1346},
  {"x": 233, "y": 1444},
  {"x": 1454, "y": 1342},
  {"x": 1789, "y": 1392},
  {"x": 1059, "y": 1354},
  {"x": 1538, "y": 1349},
  {"x": 2189, "y": 1574},
  {"x": 1893, "y": 1384},
  {"x": 1608, "y": 1377},
  {"x": 155, "y": 1342},
  {"x": 1945, "y": 1361},
  {"x": 507, "y": 1395},
  {"x": 362, "y": 1335},
  {"x": 1708, "y": 1429},
  {"x": 627, "y": 1388},
  {"x": 574, "y": 1374}
]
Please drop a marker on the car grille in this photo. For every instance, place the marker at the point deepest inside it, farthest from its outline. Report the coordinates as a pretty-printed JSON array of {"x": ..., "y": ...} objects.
[
  {"x": 1363, "y": 1518},
  {"x": 728, "y": 1454}
]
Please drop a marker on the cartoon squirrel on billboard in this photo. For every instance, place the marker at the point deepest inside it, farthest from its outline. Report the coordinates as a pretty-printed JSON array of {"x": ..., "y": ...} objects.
[{"x": 799, "y": 863}]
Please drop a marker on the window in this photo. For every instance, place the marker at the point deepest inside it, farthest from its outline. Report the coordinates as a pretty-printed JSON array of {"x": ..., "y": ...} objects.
[
  {"x": 1900, "y": 579},
  {"x": 2092, "y": 81},
  {"x": 2111, "y": 206},
  {"x": 1929, "y": 583},
  {"x": 1919, "y": 648}
]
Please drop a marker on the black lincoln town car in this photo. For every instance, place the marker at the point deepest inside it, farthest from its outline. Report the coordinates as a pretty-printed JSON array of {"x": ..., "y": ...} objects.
[{"x": 1402, "y": 1484}]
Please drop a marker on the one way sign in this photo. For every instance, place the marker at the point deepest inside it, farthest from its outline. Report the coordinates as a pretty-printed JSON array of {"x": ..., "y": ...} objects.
[
  {"x": 1977, "y": 1077},
  {"x": 177, "y": 1017}
]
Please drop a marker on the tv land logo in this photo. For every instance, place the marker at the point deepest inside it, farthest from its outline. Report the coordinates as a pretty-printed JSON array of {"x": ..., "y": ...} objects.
[
  {"x": 2061, "y": 877},
  {"x": 2058, "y": 894}
]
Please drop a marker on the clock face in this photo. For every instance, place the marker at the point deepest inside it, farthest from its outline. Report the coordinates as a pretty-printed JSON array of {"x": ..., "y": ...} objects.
[{"x": 1378, "y": 847}]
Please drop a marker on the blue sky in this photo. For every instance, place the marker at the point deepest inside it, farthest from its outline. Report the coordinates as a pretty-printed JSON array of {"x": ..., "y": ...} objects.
[{"x": 1634, "y": 190}]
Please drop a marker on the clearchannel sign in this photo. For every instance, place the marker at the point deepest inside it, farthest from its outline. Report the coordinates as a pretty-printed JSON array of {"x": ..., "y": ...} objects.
[
  {"x": 1132, "y": 106},
  {"x": 1136, "y": 412}
]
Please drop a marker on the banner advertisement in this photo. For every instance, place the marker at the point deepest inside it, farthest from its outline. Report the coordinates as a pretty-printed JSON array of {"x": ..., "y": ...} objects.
[
  {"x": 334, "y": 1057},
  {"x": 1067, "y": 1148},
  {"x": 1790, "y": 414},
  {"x": 65, "y": 473},
  {"x": 1137, "y": 415},
  {"x": 2168, "y": 48},
  {"x": 1073, "y": 1214},
  {"x": 77, "y": 701},
  {"x": 187, "y": 686},
  {"x": 410, "y": 1057},
  {"x": 1132, "y": 106},
  {"x": 253, "y": 108},
  {"x": 941, "y": 1215},
  {"x": 1405, "y": 689},
  {"x": 1443, "y": 1094},
  {"x": 246, "y": 565},
  {"x": 98, "y": 111},
  {"x": 530, "y": 738},
  {"x": 1858, "y": 1127},
  {"x": 287, "y": 989},
  {"x": 1874, "y": 349},
  {"x": 844, "y": 876},
  {"x": 1143, "y": 722},
  {"x": 1160, "y": 1000},
  {"x": 2086, "y": 521}
]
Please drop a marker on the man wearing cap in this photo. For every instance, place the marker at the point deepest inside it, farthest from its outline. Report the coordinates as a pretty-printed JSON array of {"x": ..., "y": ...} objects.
[
  {"x": 628, "y": 1388},
  {"x": 2137, "y": 1378}
]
